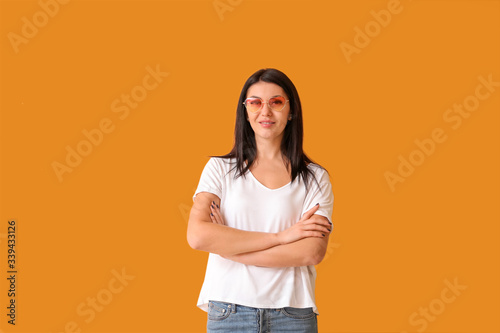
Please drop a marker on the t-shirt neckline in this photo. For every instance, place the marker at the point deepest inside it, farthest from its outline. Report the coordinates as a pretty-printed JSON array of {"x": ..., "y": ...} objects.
[{"x": 264, "y": 186}]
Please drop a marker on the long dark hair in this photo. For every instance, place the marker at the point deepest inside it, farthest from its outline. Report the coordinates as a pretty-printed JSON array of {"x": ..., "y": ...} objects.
[{"x": 245, "y": 148}]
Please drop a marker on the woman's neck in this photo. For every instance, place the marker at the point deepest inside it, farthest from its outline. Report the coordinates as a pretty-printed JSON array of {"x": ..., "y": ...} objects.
[{"x": 268, "y": 150}]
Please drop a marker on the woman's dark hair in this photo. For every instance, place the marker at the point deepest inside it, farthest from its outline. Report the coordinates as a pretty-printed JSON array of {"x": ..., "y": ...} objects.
[{"x": 245, "y": 148}]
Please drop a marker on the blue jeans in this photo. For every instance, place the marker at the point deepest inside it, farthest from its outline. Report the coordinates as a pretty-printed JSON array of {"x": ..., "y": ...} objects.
[{"x": 234, "y": 318}]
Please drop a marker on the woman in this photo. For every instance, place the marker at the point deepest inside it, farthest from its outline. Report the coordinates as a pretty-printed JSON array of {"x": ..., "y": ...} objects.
[{"x": 263, "y": 212}]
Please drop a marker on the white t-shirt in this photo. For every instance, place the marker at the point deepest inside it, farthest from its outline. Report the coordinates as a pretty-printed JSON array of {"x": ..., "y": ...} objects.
[{"x": 246, "y": 204}]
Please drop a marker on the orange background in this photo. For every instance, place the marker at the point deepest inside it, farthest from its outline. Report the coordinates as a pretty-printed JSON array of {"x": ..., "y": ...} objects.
[{"x": 125, "y": 206}]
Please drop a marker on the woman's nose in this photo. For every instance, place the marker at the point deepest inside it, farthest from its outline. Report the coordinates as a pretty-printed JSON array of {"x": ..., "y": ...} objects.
[{"x": 266, "y": 110}]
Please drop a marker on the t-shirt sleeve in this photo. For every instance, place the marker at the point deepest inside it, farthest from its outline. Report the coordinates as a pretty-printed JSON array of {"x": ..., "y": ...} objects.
[
  {"x": 211, "y": 179},
  {"x": 320, "y": 192}
]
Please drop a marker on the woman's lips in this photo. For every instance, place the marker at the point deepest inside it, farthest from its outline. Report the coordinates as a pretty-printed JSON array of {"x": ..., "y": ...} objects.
[{"x": 266, "y": 124}]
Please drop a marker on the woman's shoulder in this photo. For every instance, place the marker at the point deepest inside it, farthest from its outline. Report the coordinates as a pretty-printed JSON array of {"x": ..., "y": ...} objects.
[
  {"x": 221, "y": 159},
  {"x": 319, "y": 172},
  {"x": 315, "y": 167},
  {"x": 222, "y": 163}
]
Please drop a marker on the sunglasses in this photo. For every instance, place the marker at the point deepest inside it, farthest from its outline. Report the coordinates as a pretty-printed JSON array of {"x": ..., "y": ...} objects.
[{"x": 254, "y": 104}]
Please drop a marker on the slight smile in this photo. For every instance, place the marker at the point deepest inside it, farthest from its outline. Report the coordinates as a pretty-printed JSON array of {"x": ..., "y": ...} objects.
[{"x": 266, "y": 123}]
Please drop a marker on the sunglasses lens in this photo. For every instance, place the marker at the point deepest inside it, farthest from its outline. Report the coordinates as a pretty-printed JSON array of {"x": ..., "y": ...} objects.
[
  {"x": 253, "y": 104},
  {"x": 277, "y": 103}
]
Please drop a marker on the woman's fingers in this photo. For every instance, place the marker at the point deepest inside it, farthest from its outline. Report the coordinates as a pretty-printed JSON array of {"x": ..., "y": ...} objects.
[
  {"x": 212, "y": 217},
  {"x": 317, "y": 223},
  {"x": 215, "y": 214},
  {"x": 319, "y": 228},
  {"x": 310, "y": 212},
  {"x": 306, "y": 233},
  {"x": 215, "y": 218}
]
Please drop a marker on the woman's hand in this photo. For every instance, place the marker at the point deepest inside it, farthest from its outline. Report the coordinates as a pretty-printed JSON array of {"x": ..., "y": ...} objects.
[
  {"x": 310, "y": 225},
  {"x": 216, "y": 217},
  {"x": 215, "y": 214}
]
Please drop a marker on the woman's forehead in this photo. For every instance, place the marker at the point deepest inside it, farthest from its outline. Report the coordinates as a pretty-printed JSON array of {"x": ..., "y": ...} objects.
[{"x": 265, "y": 90}]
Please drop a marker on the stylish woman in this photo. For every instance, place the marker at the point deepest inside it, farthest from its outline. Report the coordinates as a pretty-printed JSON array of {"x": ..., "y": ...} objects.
[{"x": 263, "y": 211}]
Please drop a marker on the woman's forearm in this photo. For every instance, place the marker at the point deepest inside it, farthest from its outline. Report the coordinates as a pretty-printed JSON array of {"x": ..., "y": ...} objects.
[
  {"x": 208, "y": 232},
  {"x": 305, "y": 252},
  {"x": 224, "y": 240},
  {"x": 204, "y": 235}
]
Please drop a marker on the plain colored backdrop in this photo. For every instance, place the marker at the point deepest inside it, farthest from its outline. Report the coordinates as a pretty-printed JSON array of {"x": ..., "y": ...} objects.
[{"x": 381, "y": 83}]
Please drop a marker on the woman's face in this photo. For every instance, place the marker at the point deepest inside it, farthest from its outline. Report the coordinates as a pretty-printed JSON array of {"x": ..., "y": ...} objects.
[{"x": 267, "y": 124}]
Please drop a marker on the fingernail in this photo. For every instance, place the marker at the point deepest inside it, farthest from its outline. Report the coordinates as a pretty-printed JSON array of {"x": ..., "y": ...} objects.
[
  {"x": 317, "y": 204},
  {"x": 211, "y": 214},
  {"x": 330, "y": 223},
  {"x": 213, "y": 202},
  {"x": 217, "y": 206},
  {"x": 323, "y": 235},
  {"x": 329, "y": 229}
]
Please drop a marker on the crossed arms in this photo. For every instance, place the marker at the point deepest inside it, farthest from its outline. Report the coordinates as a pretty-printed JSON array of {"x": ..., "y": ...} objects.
[{"x": 303, "y": 244}]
